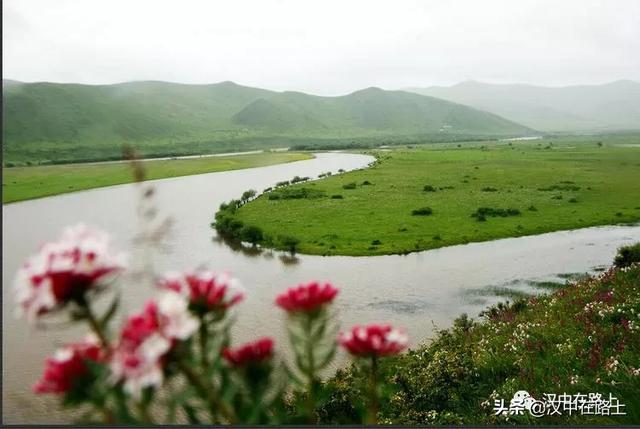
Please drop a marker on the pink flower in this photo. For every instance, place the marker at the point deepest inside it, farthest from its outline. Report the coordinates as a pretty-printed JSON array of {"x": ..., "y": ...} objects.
[
  {"x": 374, "y": 340},
  {"x": 68, "y": 366},
  {"x": 65, "y": 270},
  {"x": 306, "y": 297},
  {"x": 147, "y": 337},
  {"x": 250, "y": 353},
  {"x": 205, "y": 290}
]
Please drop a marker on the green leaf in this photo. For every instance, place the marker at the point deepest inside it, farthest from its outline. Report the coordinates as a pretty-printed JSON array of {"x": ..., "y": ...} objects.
[
  {"x": 328, "y": 357},
  {"x": 192, "y": 414}
]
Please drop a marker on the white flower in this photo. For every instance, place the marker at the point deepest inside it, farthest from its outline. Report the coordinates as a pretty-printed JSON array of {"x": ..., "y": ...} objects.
[{"x": 177, "y": 321}]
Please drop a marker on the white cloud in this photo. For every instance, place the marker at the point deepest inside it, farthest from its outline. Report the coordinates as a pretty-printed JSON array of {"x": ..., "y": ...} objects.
[{"x": 323, "y": 47}]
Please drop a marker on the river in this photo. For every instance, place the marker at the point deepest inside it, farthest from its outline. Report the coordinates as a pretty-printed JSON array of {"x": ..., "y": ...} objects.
[{"x": 420, "y": 291}]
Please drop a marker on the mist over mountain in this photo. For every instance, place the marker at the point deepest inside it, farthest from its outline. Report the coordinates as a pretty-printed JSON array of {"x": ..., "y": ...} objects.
[
  {"x": 608, "y": 107},
  {"x": 165, "y": 114}
]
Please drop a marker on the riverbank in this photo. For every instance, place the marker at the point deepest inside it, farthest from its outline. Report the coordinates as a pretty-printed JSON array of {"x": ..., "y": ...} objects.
[
  {"x": 426, "y": 198},
  {"x": 24, "y": 183},
  {"x": 582, "y": 339}
]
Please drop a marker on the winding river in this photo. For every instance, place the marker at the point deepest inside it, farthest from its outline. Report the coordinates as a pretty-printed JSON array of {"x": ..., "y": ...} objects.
[{"x": 422, "y": 291}]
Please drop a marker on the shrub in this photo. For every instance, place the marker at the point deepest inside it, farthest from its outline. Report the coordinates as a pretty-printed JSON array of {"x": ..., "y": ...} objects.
[
  {"x": 337, "y": 197},
  {"x": 247, "y": 195},
  {"x": 298, "y": 179},
  {"x": 573, "y": 200},
  {"x": 376, "y": 242},
  {"x": 251, "y": 234},
  {"x": 627, "y": 255},
  {"x": 489, "y": 189},
  {"x": 563, "y": 186},
  {"x": 429, "y": 188},
  {"x": 351, "y": 185},
  {"x": 482, "y": 213},
  {"x": 283, "y": 183},
  {"x": 532, "y": 208},
  {"x": 366, "y": 183},
  {"x": 424, "y": 211},
  {"x": 296, "y": 193},
  {"x": 289, "y": 242}
]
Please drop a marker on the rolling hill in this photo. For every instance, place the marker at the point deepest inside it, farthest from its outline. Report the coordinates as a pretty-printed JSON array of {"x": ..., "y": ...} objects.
[
  {"x": 610, "y": 107},
  {"x": 71, "y": 121}
]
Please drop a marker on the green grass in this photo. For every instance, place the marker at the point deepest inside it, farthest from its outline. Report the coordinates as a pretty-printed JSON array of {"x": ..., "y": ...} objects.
[
  {"x": 583, "y": 338},
  {"x": 23, "y": 183},
  {"x": 590, "y": 185}
]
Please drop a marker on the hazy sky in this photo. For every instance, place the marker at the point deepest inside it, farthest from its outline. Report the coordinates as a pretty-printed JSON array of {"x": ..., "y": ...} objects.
[{"x": 322, "y": 46}]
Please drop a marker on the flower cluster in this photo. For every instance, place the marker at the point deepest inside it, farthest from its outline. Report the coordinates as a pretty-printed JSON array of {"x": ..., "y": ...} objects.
[
  {"x": 306, "y": 297},
  {"x": 147, "y": 337},
  {"x": 251, "y": 353},
  {"x": 205, "y": 290},
  {"x": 65, "y": 270},
  {"x": 181, "y": 330},
  {"x": 68, "y": 365},
  {"x": 374, "y": 340}
]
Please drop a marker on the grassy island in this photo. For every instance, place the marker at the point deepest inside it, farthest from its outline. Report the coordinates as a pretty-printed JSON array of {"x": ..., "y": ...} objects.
[{"x": 439, "y": 195}]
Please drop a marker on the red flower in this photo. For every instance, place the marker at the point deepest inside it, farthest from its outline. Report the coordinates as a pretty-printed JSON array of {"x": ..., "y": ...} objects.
[
  {"x": 140, "y": 326},
  {"x": 250, "y": 353},
  {"x": 374, "y": 340},
  {"x": 205, "y": 289},
  {"x": 306, "y": 297},
  {"x": 65, "y": 270},
  {"x": 67, "y": 366},
  {"x": 147, "y": 337}
]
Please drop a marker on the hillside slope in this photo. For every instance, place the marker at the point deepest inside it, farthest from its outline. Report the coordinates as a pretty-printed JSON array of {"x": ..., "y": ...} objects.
[
  {"x": 608, "y": 107},
  {"x": 64, "y": 120}
]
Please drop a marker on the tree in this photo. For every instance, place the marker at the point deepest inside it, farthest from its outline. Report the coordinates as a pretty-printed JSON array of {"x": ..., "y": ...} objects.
[
  {"x": 251, "y": 234},
  {"x": 247, "y": 195},
  {"x": 291, "y": 243}
]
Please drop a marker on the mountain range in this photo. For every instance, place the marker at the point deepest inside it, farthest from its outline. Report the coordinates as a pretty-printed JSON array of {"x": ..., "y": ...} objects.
[
  {"x": 66, "y": 122},
  {"x": 41, "y": 118},
  {"x": 582, "y": 108}
]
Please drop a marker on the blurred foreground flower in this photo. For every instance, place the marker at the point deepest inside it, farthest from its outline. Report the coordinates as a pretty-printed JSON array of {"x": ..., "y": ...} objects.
[
  {"x": 306, "y": 297},
  {"x": 205, "y": 290},
  {"x": 68, "y": 366},
  {"x": 147, "y": 337},
  {"x": 65, "y": 271},
  {"x": 252, "y": 353},
  {"x": 374, "y": 340}
]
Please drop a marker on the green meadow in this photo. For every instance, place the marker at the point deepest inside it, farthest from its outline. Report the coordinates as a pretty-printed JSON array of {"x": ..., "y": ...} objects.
[
  {"x": 23, "y": 183},
  {"x": 433, "y": 196}
]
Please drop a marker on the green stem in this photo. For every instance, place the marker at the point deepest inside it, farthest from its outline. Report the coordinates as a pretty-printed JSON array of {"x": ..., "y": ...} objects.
[
  {"x": 93, "y": 322},
  {"x": 311, "y": 390},
  {"x": 207, "y": 393},
  {"x": 144, "y": 413},
  {"x": 204, "y": 336},
  {"x": 372, "y": 414}
]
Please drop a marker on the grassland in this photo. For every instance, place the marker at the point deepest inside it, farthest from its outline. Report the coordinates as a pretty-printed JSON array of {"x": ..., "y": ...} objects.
[
  {"x": 23, "y": 183},
  {"x": 583, "y": 338},
  {"x": 478, "y": 192}
]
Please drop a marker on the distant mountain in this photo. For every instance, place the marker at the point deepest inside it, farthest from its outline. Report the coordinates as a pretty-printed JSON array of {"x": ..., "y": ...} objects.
[
  {"x": 168, "y": 116},
  {"x": 608, "y": 107}
]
